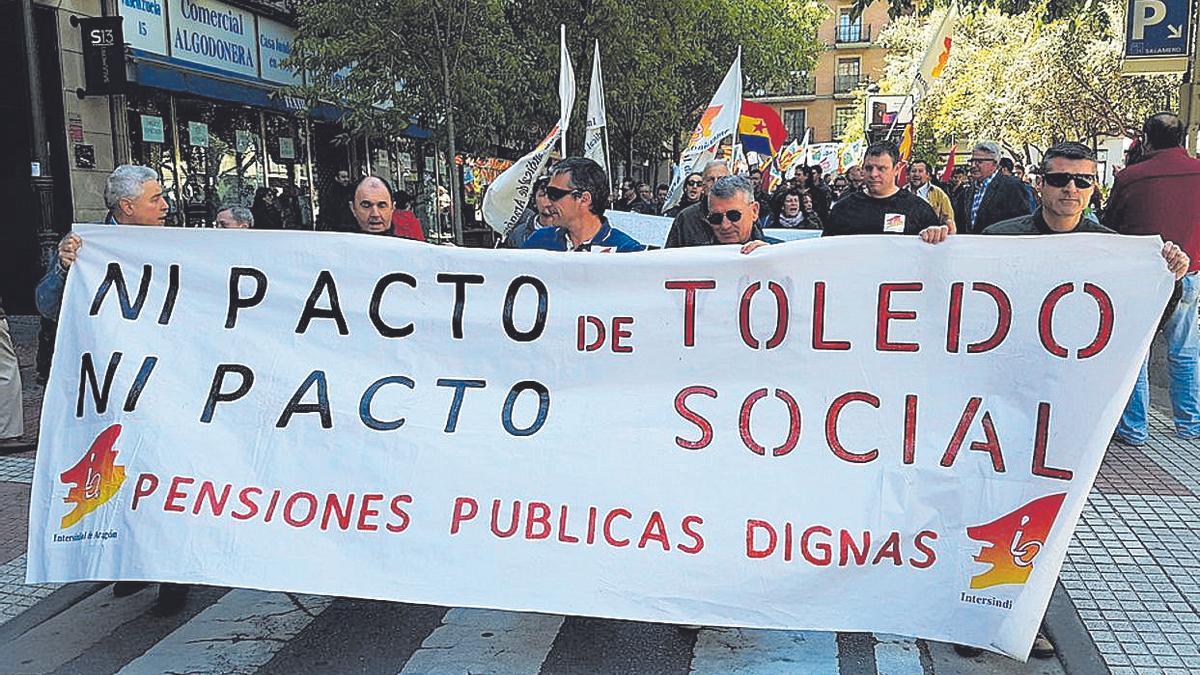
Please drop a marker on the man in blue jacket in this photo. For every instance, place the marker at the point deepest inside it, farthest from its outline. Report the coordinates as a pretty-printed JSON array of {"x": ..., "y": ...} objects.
[{"x": 578, "y": 193}]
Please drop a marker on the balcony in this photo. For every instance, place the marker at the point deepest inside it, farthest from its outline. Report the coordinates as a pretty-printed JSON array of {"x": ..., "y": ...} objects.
[
  {"x": 845, "y": 84},
  {"x": 797, "y": 86},
  {"x": 852, "y": 33}
]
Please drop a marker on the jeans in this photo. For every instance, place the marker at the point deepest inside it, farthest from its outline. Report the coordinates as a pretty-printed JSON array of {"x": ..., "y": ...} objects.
[{"x": 1183, "y": 346}]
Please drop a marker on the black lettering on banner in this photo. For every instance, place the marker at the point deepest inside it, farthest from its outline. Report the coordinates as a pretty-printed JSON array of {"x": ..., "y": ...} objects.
[
  {"x": 139, "y": 383},
  {"x": 172, "y": 295},
  {"x": 321, "y": 407},
  {"x": 236, "y": 300},
  {"x": 87, "y": 375},
  {"x": 215, "y": 393},
  {"x": 510, "y": 298},
  {"x": 377, "y": 299},
  {"x": 114, "y": 275},
  {"x": 460, "y": 386},
  {"x": 324, "y": 285},
  {"x": 543, "y": 408},
  {"x": 460, "y": 282}
]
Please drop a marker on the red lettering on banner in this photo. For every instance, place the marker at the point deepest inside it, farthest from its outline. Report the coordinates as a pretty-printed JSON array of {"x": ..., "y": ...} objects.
[
  {"x": 831, "y": 420},
  {"x": 960, "y": 432},
  {"x": 706, "y": 430},
  {"x": 465, "y": 509},
  {"x": 1046, "y": 320},
  {"x": 217, "y": 507},
  {"x": 752, "y": 527},
  {"x": 849, "y": 544},
  {"x": 954, "y": 317},
  {"x": 334, "y": 509},
  {"x": 793, "y": 436},
  {"x": 1040, "y": 438},
  {"x": 818, "y": 330},
  {"x": 514, "y": 524},
  {"x": 541, "y": 519},
  {"x": 146, "y": 485},
  {"x": 930, "y": 554},
  {"x": 608, "y": 520},
  {"x": 890, "y": 549},
  {"x": 251, "y": 506},
  {"x": 822, "y": 547},
  {"x": 620, "y": 333},
  {"x": 562, "y": 527},
  {"x": 400, "y": 513},
  {"x": 289, "y": 516},
  {"x": 910, "y": 428},
  {"x": 365, "y": 511},
  {"x": 697, "y": 545},
  {"x": 886, "y": 315},
  {"x": 174, "y": 494},
  {"x": 1003, "y": 318},
  {"x": 689, "y": 289},
  {"x": 1104, "y": 331},
  {"x": 271, "y": 506},
  {"x": 581, "y": 343},
  {"x": 655, "y": 530},
  {"x": 781, "y": 315}
]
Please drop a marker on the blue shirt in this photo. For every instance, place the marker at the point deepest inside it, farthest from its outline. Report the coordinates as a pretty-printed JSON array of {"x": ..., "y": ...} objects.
[{"x": 608, "y": 237}]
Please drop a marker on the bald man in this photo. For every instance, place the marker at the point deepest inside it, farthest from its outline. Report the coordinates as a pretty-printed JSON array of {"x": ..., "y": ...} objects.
[{"x": 372, "y": 205}]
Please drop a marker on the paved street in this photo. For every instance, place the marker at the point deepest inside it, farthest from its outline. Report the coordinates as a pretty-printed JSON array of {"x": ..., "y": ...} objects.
[{"x": 1126, "y": 603}]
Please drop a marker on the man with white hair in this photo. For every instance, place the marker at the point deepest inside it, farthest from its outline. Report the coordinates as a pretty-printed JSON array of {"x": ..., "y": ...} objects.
[
  {"x": 993, "y": 196},
  {"x": 235, "y": 218},
  {"x": 690, "y": 227},
  {"x": 133, "y": 196}
]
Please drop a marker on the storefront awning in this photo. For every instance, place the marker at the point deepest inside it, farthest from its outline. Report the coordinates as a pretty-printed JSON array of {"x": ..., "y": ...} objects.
[{"x": 162, "y": 72}]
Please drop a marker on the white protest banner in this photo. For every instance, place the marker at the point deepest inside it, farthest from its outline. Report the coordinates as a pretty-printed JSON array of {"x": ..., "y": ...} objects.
[
  {"x": 646, "y": 229},
  {"x": 850, "y": 433},
  {"x": 719, "y": 119},
  {"x": 506, "y": 198},
  {"x": 595, "y": 145}
]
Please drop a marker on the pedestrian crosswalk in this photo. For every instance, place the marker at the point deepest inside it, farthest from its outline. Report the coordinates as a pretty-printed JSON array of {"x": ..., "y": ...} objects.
[{"x": 248, "y": 631}]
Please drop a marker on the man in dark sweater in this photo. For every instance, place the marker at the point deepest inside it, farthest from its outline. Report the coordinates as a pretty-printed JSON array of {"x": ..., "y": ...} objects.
[
  {"x": 882, "y": 207},
  {"x": 1066, "y": 184}
]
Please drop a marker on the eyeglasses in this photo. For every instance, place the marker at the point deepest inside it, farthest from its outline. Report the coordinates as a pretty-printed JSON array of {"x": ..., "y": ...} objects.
[
  {"x": 732, "y": 214},
  {"x": 555, "y": 194},
  {"x": 1060, "y": 179},
  {"x": 694, "y": 183},
  {"x": 979, "y": 160}
]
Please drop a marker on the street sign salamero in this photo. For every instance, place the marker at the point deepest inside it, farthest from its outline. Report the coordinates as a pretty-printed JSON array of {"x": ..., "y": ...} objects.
[
  {"x": 1157, "y": 36},
  {"x": 103, "y": 55}
]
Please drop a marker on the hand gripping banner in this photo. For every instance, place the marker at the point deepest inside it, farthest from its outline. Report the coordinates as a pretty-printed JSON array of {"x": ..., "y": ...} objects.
[{"x": 852, "y": 434}]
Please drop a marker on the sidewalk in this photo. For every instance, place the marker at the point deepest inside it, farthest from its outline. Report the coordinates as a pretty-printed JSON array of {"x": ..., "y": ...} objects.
[{"x": 1131, "y": 579}]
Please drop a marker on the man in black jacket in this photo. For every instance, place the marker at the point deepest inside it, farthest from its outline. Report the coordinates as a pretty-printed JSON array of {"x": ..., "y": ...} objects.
[{"x": 992, "y": 197}]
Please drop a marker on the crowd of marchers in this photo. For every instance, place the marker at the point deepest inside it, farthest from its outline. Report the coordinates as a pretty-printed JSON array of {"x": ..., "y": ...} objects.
[{"x": 1156, "y": 193}]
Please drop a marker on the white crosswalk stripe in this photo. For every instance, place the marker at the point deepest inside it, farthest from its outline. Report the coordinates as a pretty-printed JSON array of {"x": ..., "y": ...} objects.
[
  {"x": 486, "y": 641},
  {"x": 895, "y": 655},
  {"x": 726, "y": 651},
  {"x": 237, "y": 634}
]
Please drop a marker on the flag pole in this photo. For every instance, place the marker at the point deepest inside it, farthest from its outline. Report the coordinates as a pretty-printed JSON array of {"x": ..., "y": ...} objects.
[{"x": 562, "y": 35}]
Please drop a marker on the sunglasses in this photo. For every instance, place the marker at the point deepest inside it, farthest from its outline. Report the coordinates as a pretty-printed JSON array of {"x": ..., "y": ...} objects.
[
  {"x": 556, "y": 194},
  {"x": 694, "y": 183},
  {"x": 1060, "y": 179},
  {"x": 732, "y": 214}
]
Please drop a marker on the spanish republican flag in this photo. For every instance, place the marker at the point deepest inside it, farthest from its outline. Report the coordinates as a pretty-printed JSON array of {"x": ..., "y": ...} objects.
[{"x": 760, "y": 129}]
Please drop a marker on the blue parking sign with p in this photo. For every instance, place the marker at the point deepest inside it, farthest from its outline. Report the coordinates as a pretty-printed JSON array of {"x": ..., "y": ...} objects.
[{"x": 1157, "y": 28}]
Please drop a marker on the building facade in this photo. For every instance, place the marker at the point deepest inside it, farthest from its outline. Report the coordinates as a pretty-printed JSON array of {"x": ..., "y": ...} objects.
[
  {"x": 206, "y": 105},
  {"x": 823, "y": 100}
]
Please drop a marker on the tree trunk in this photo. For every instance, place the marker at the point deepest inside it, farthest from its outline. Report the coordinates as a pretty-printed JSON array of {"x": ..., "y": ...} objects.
[{"x": 455, "y": 184}]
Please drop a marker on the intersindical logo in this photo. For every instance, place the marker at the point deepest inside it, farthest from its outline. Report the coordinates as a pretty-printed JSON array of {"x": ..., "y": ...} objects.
[{"x": 95, "y": 478}]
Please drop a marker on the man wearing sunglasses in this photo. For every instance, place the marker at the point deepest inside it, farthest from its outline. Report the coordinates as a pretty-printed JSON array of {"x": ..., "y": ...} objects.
[
  {"x": 693, "y": 190},
  {"x": 578, "y": 195},
  {"x": 992, "y": 196},
  {"x": 690, "y": 227},
  {"x": 1161, "y": 195},
  {"x": 1066, "y": 184},
  {"x": 882, "y": 207},
  {"x": 733, "y": 214}
]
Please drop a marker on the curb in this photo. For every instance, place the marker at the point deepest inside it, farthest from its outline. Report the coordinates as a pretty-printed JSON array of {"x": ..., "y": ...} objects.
[{"x": 1076, "y": 651}]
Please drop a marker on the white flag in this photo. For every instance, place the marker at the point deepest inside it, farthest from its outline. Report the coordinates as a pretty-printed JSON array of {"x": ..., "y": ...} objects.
[
  {"x": 720, "y": 119},
  {"x": 594, "y": 147},
  {"x": 937, "y": 55},
  {"x": 566, "y": 87},
  {"x": 506, "y": 198}
]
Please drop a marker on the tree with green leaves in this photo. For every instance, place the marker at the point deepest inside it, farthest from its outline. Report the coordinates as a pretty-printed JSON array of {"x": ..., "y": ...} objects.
[
  {"x": 1026, "y": 81},
  {"x": 483, "y": 73}
]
